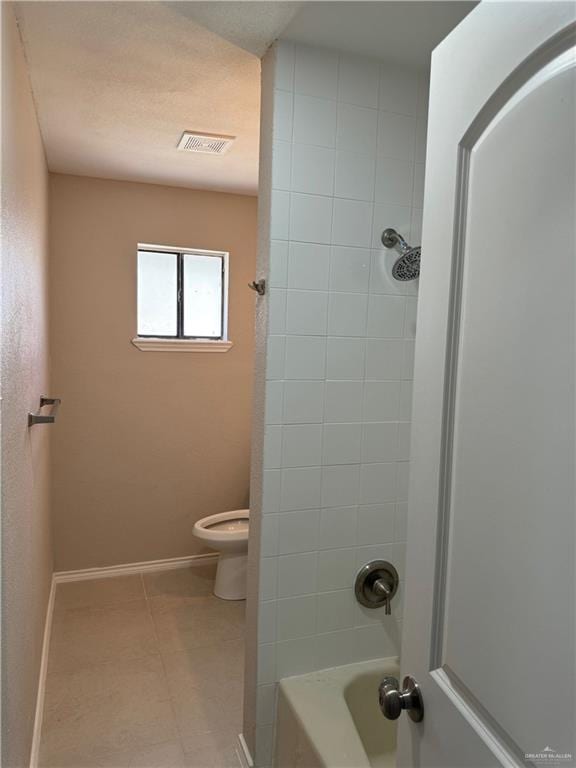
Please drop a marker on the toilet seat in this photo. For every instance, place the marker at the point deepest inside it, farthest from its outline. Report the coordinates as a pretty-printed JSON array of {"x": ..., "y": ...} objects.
[
  {"x": 224, "y": 526},
  {"x": 227, "y": 532}
]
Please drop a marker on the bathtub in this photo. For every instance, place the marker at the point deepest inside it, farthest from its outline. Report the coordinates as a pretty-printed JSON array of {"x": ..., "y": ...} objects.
[{"x": 331, "y": 719}]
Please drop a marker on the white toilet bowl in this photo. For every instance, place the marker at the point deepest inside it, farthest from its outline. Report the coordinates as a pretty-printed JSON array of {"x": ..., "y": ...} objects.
[{"x": 228, "y": 533}]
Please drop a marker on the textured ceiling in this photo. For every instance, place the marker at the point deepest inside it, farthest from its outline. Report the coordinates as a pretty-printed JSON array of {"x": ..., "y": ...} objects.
[
  {"x": 250, "y": 25},
  {"x": 116, "y": 83}
]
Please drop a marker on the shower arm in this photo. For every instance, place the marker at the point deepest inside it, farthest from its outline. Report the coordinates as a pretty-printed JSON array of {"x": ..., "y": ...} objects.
[{"x": 391, "y": 239}]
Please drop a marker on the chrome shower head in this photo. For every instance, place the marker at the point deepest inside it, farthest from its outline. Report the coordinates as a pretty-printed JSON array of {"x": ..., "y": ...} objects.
[{"x": 407, "y": 267}]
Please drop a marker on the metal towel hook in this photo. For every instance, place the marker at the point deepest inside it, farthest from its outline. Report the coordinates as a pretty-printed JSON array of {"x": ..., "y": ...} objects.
[
  {"x": 41, "y": 418},
  {"x": 259, "y": 286}
]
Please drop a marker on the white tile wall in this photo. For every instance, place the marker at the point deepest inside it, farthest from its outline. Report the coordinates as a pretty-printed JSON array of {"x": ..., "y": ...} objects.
[
  {"x": 352, "y": 223},
  {"x": 297, "y": 531},
  {"x": 308, "y": 266},
  {"x": 303, "y": 402},
  {"x": 312, "y": 169},
  {"x": 301, "y": 445},
  {"x": 310, "y": 218},
  {"x": 343, "y": 402},
  {"x": 307, "y": 312},
  {"x": 345, "y": 358},
  {"x": 336, "y": 567},
  {"x": 316, "y": 72},
  {"x": 396, "y": 136},
  {"x": 357, "y": 128},
  {"x": 348, "y": 161},
  {"x": 347, "y": 314},
  {"x": 358, "y": 81},
  {"x": 305, "y": 357},
  {"x": 337, "y": 527},
  {"x": 354, "y": 176},
  {"x": 314, "y": 121}
]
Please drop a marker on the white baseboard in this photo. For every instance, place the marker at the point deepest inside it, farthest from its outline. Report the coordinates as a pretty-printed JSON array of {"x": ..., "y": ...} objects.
[
  {"x": 39, "y": 713},
  {"x": 129, "y": 568},
  {"x": 244, "y": 753}
]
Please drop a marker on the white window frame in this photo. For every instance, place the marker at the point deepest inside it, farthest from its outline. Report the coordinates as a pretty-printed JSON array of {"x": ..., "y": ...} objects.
[{"x": 175, "y": 344}]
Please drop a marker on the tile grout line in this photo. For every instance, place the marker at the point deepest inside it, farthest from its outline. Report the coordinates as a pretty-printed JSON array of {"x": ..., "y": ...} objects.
[
  {"x": 143, "y": 582},
  {"x": 160, "y": 654},
  {"x": 172, "y": 701}
]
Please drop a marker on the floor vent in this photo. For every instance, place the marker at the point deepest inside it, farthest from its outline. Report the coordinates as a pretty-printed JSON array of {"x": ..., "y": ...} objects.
[{"x": 208, "y": 144}]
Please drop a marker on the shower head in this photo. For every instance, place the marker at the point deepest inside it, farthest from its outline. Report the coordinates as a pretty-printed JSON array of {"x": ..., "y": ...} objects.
[{"x": 407, "y": 267}]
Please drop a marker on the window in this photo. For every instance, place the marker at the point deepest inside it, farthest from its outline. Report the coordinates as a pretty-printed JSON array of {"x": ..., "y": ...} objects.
[{"x": 182, "y": 296}]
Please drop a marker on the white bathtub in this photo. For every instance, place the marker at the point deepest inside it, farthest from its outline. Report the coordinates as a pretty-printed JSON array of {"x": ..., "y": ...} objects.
[{"x": 331, "y": 719}]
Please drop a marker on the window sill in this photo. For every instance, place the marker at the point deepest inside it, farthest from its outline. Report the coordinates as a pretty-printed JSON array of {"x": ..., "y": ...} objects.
[{"x": 180, "y": 345}]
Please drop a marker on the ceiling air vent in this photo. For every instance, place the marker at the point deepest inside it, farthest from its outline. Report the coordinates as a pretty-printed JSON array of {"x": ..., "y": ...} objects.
[{"x": 208, "y": 144}]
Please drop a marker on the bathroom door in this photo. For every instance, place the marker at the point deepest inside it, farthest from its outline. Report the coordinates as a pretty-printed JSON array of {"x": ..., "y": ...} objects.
[{"x": 490, "y": 594}]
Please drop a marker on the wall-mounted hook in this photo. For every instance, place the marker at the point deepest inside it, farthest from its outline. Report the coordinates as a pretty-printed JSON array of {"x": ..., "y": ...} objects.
[{"x": 259, "y": 286}]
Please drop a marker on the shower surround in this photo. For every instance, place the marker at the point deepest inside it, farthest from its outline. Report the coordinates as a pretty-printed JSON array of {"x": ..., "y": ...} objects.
[{"x": 342, "y": 158}]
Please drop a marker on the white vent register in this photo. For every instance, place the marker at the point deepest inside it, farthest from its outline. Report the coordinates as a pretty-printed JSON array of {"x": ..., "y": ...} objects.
[{"x": 206, "y": 143}]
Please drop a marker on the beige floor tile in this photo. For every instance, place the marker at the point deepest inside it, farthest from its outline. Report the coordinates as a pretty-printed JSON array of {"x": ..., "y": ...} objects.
[
  {"x": 199, "y": 622},
  {"x": 198, "y": 670},
  {"x": 124, "y": 705},
  {"x": 197, "y": 714},
  {"x": 180, "y": 584},
  {"x": 99, "y": 593},
  {"x": 212, "y": 750},
  {"x": 85, "y": 636},
  {"x": 216, "y": 671},
  {"x": 215, "y": 749},
  {"x": 207, "y": 690},
  {"x": 145, "y": 683},
  {"x": 168, "y": 754}
]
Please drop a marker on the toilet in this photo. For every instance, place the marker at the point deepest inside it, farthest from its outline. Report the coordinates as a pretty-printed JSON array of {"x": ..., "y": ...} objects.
[{"x": 228, "y": 533}]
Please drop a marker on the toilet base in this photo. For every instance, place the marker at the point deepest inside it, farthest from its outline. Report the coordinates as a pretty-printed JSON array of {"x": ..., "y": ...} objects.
[{"x": 230, "y": 581}]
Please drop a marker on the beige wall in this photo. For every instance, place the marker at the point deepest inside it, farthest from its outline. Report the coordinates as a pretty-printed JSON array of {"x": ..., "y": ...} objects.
[
  {"x": 26, "y": 547},
  {"x": 147, "y": 442}
]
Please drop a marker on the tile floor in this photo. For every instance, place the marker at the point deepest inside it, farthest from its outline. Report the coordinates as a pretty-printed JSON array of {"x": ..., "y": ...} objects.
[{"x": 144, "y": 671}]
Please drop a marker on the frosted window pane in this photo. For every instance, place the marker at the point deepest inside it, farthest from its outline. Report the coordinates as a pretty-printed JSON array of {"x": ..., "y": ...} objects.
[
  {"x": 202, "y": 296},
  {"x": 157, "y": 294}
]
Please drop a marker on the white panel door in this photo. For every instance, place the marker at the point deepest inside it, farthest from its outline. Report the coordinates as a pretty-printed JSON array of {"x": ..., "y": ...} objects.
[{"x": 490, "y": 593}]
